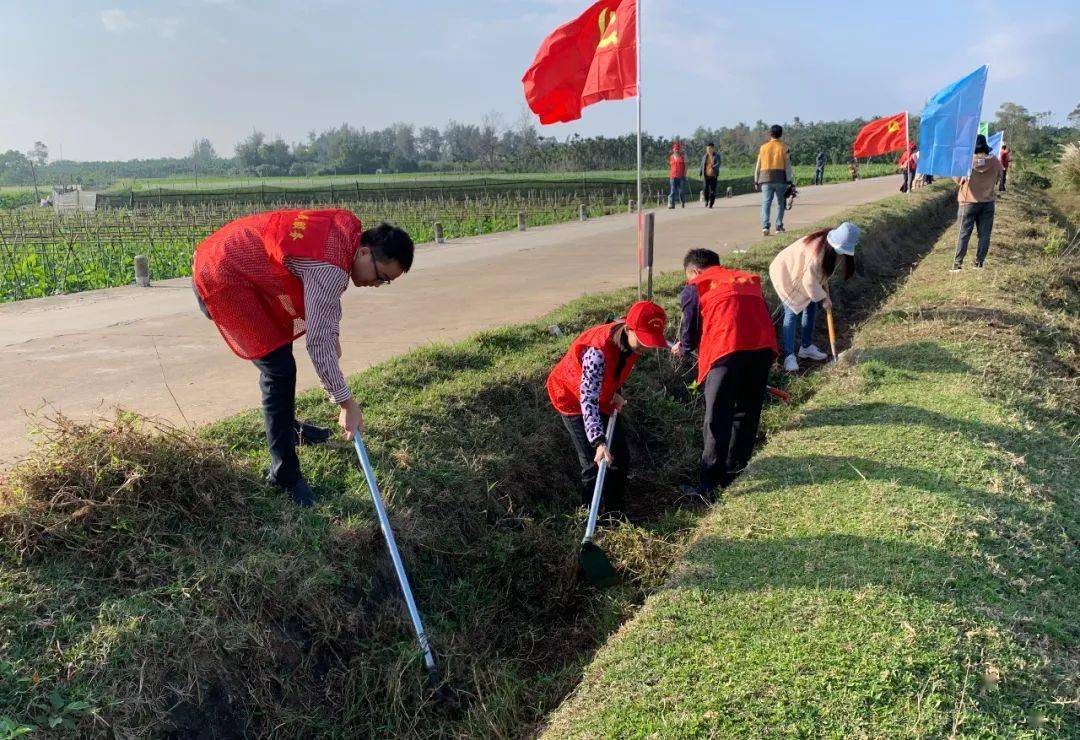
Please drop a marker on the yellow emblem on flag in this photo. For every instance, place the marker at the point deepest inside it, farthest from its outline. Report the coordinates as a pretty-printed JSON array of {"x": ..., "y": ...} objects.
[
  {"x": 894, "y": 126},
  {"x": 607, "y": 20}
]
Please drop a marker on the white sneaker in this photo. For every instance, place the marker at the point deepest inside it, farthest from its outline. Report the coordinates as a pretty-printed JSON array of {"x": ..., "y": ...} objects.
[
  {"x": 812, "y": 353},
  {"x": 791, "y": 365}
]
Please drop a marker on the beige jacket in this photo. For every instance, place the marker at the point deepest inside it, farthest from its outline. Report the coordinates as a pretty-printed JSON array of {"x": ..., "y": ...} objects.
[
  {"x": 797, "y": 275},
  {"x": 981, "y": 185}
]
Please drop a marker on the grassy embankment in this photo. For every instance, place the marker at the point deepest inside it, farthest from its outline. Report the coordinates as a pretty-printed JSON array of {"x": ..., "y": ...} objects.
[
  {"x": 903, "y": 559},
  {"x": 149, "y": 581}
]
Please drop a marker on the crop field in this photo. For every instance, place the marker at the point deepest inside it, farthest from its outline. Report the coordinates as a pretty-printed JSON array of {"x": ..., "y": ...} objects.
[
  {"x": 405, "y": 185},
  {"x": 42, "y": 253}
]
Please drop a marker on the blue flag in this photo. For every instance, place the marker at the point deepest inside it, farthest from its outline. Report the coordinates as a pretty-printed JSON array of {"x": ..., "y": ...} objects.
[
  {"x": 995, "y": 143},
  {"x": 949, "y": 125}
]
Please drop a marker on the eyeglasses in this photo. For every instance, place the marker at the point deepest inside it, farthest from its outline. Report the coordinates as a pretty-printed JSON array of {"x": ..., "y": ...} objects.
[{"x": 380, "y": 279}]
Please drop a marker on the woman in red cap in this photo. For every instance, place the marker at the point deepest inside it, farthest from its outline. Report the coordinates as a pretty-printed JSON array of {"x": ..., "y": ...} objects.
[
  {"x": 585, "y": 387},
  {"x": 677, "y": 174}
]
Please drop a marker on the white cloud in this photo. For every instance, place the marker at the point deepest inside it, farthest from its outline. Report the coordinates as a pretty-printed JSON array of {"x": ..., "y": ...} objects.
[{"x": 116, "y": 20}]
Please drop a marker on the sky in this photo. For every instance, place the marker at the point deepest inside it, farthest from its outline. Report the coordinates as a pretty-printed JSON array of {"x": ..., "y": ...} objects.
[{"x": 117, "y": 79}]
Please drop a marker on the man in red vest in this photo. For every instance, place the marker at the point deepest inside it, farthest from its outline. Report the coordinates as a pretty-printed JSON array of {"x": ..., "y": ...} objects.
[
  {"x": 586, "y": 385},
  {"x": 266, "y": 279},
  {"x": 726, "y": 321},
  {"x": 677, "y": 175}
]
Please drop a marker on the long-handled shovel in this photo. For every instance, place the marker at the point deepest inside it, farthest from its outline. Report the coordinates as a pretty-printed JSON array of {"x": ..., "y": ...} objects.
[
  {"x": 832, "y": 331},
  {"x": 594, "y": 563},
  {"x": 435, "y": 684}
]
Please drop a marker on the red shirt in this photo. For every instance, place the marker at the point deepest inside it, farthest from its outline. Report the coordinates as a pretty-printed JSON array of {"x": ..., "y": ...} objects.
[
  {"x": 1005, "y": 157},
  {"x": 734, "y": 316}
]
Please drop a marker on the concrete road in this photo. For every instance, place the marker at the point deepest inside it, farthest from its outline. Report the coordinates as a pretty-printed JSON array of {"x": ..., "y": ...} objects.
[{"x": 150, "y": 350}]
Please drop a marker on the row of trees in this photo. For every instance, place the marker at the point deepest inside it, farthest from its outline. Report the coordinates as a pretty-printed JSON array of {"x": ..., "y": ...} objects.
[{"x": 492, "y": 146}]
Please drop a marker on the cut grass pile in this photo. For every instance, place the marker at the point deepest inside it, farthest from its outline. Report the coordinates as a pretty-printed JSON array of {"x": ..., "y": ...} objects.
[
  {"x": 901, "y": 560},
  {"x": 150, "y": 583}
]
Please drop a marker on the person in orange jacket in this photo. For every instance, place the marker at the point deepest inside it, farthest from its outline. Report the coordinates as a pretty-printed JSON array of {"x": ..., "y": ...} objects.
[
  {"x": 726, "y": 321},
  {"x": 266, "y": 279},
  {"x": 677, "y": 175},
  {"x": 585, "y": 386}
]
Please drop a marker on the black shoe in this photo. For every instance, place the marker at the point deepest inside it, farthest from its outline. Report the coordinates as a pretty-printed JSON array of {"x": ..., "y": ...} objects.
[
  {"x": 780, "y": 229},
  {"x": 309, "y": 434},
  {"x": 299, "y": 492}
]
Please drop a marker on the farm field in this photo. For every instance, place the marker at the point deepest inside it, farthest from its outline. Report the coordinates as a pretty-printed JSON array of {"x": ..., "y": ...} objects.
[{"x": 43, "y": 254}]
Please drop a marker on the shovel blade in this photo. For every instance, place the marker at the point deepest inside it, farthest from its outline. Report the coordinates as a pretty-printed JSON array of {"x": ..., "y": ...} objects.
[{"x": 596, "y": 567}]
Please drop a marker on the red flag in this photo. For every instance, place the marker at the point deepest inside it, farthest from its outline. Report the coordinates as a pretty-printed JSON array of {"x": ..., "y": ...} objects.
[
  {"x": 881, "y": 136},
  {"x": 589, "y": 59}
]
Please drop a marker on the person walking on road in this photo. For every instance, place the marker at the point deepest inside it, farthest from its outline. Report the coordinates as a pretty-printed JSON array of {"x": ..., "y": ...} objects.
[
  {"x": 268, "y": 278},
  {"x": 677, "y": 175},
  {"x": 1005, "y": 158},
  {"x": 976, "y": 203},
  {"x": 710, "y": 171},
  {"x": 772, "y": 176},
  {"x": 726, "y": 321},
  {"x": 586, "y": 385},
  {"x": 819, "y": 168},
  {"x": 799, "y": 275},
  {"x": 909, "y": 163}
]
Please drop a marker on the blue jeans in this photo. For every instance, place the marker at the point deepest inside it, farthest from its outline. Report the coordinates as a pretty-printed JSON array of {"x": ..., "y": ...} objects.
[
  {"x": 769, "y": 190},
  {"x": 809, "y": 315},
  {"x": 678, "y": 190}
]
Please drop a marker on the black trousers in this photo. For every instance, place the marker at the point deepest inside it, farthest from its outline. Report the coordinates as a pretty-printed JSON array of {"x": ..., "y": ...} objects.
[
  {"x": 710, "y": 191},
  {"x": 614, "y": 494},
  {"x": 734, "y": 395},
  {"x": 277, "y": 381},
  {"x": 1001, "y": 182}
]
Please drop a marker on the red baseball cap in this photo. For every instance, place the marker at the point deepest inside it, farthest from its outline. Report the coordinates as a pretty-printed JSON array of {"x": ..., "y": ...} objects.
[{"x": 648, "y": 320}]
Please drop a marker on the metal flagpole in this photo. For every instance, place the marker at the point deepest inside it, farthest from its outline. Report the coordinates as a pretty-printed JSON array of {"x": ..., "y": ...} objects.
[
  {"x": 908, "y": 174},
  {"x": 640, "y": 209}
]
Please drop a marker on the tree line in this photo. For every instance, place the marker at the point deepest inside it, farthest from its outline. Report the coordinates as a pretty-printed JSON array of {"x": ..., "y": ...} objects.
[{"x": 491, "y": 146}]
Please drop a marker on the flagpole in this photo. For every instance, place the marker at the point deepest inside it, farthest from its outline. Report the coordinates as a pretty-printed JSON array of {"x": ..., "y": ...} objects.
[
  {"x": 908, "y": 175},
  {"x": 640, "y": 209}
]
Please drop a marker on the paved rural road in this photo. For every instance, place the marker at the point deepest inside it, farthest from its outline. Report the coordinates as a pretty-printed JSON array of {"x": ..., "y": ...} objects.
[{"x": 86, "y": 353}]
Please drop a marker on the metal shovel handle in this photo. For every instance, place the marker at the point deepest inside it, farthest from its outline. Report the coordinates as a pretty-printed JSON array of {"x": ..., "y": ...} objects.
[
  {"x": 598, "y": 489},
  {"x": 391, "y": 544}
]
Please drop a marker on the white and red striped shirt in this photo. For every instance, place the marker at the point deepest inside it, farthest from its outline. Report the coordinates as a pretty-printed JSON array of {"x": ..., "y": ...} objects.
[{"x": 323, "y": 286}]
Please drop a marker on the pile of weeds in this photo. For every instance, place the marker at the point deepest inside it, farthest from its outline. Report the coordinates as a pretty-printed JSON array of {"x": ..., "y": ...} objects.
[{"x": 150, "y": 583}]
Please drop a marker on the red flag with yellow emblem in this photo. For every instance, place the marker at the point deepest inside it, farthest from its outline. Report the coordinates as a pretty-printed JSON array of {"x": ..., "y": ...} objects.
[
  {"x": 591, "y": 58},
  {"x": 881, "y": 136}
]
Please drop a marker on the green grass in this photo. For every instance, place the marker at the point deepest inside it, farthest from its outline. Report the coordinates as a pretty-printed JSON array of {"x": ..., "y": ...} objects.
[
  {"x": 150, "y": 582},
  {"x": 902, "y": 559}
]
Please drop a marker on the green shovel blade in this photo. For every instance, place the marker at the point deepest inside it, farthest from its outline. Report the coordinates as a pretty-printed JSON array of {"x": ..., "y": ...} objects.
[{"x": 595, "y": 565}]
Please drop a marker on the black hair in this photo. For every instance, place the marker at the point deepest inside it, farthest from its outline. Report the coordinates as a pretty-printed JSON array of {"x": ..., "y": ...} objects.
[
  {"x": 981, "y": 147},
  {"x": 776, "y": 131},
  {"x": 389, "y": 243},
  {"x": 709, "y": 143},
  {"x": 701, "y": 259}
]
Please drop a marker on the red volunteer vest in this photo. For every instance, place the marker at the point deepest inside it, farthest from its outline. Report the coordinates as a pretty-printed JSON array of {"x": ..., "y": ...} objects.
[
  {"x": 677, "y": 165},
  {"x": 564, "y": 381},
  {"x": 240, "y": 273},
  {"x": 734, "y": 316}
]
